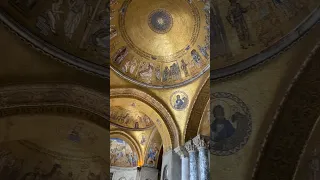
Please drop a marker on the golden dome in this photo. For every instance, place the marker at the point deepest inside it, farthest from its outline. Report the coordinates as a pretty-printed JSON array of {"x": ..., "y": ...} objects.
[{"x": 160, "y": 43}]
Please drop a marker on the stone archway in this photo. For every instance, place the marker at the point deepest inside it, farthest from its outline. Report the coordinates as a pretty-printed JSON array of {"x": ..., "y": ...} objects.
[
  {"x": 293, "y": 124},
  {"x": 197, "y": 112},
  {"x": 170, "y": 131}
]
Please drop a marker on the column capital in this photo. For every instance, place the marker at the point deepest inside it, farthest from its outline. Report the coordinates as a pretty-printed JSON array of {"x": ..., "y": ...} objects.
[
  {"x": 190, "y": 147},
  {"x": 201, "y": 141},
  {"x": 181, "y": 151}
]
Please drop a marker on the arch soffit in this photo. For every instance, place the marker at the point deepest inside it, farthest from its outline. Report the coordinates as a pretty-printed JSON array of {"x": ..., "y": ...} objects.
[
  {"x": 130, "y": 140},
  {"x": 149, "y": 144},
  {"x": 193, "y": 122},
  {"x": 63, "y": 99},
  {"x": 292, "y": 124},
  {"x": 204, "y": 118},
  {"x": 168, "y": 121}
]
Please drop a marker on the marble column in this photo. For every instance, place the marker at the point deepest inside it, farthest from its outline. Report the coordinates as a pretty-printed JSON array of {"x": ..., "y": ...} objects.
[
  {"x": 183, "y": 153},
  {"x": 202, "y": 144},
  {"x": 193, "y": 166}
]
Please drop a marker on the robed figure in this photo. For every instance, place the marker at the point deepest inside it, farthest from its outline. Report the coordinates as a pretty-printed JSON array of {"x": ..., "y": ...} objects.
[{"x": 221, "y": 128}]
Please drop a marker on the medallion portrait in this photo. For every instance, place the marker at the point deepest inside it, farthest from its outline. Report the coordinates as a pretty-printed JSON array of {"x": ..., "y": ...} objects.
[
  {"x": 143, "y": 139},
  {"x": 179, "y": 100},
  {"x": 230, "y": 125}
]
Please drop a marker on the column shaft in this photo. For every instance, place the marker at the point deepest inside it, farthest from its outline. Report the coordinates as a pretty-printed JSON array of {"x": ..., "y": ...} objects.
[
  {"x": 185, "y": 168},
  {"x": 202, "y": 143},
  {"x": 204, "y": 164},
  {"x": 193, "y": 165}
]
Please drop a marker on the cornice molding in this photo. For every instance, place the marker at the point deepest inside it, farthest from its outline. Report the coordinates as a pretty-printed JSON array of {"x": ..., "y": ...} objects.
[
  {"x": 63, "y": 99},
  {"x": 169, "y": 122}
]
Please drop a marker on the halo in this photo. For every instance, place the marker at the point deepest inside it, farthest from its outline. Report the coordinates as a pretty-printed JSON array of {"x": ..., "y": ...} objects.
[{"x": 226, "y": 106}]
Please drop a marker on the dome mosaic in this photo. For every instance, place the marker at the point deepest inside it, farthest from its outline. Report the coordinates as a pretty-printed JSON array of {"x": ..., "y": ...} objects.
[
  {"x": 248, "y": 32},
  {"x": 161, "y": 44}
]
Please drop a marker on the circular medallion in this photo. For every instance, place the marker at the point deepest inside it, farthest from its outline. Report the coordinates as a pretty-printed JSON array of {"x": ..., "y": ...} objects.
[
  {"x": 160, "y": 21},
  {"x": 179, "y": 100},
  {"x": 163, "y": 44},
  {"x": 230, "y": 126}
]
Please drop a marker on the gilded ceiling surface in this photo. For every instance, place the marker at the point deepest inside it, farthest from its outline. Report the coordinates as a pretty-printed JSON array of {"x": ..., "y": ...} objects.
[
  {"x": 130, "y": 118},
  {"x": 131, "y": 114},
  {"x": 76, "y": 32},
  {"x": 245, "y": 33},
  {"x": 160, "y": 43},
  {"x": 142, "y": 147}
]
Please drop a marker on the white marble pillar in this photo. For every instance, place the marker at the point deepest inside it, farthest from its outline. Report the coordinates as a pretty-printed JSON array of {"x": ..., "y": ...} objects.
[
  {"x": 202, "y": 144},
  {"x": 193, "y": 165},
  {"x": 183, "y": 153}
]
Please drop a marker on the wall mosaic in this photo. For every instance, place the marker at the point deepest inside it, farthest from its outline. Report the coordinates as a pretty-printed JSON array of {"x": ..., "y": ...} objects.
[
  {"x": 121, "y": 154},
  {"x": 130, "y": 118},
  {"x": 153, "y": 149},
  {"x": 16, "y": 164},
  {"x": 76, "y": 32},
  {"x": 179, "y": 100},
  {"x": 161, "y": 49},
  {"x": 143, "y": 139},
  {"x": 231, "y": 124},
  {"x": 252, "y": 31}
]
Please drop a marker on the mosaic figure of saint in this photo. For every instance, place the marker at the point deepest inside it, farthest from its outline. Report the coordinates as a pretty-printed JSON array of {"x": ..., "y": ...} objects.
[
  {"x": 146, "y": 72},
  {"x": 196, "y": 57},
  {"x": 77, "y": 9},
  {"x": 166, "y": 74},
  {"x": 54, "y": 14},
  {"x": 237, "y": 20},
  {"x": 218, "y": 36},
  {"x": 221, "y": 128},
  {"x": 152, "y": 155},
  {"x": 184, "y": 68},
  {"x": 120, "y": 55},
  {"x": 158, "y": 73},
  {"x": 175, "y": 71},
  {"x": 179, "y": 104}
]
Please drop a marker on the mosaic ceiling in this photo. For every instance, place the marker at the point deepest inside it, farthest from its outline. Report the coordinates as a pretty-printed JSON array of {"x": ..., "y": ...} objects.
[
  {"x": 159, "y": 44},
  {"x": 129, "y": 118},
  {"x": 121, "y": 154},
  {"x": 74, "y": 31},
  {"x": 127, "y": 113},
  {"x": 247, "y": 32}
]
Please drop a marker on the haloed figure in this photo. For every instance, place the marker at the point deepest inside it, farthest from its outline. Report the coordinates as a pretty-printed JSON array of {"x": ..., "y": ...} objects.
[
  {"x": 221, "y": 128},
  {"x": 77, "y": 9},
  {"x": 237, "y": 20},
  {"x": 54, "y": 14},
  {"x": 179, "y": 103}
]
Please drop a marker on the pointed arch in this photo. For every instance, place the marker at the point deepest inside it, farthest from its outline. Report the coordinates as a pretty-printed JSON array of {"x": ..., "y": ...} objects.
[{"x": 167, "y": 125}]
